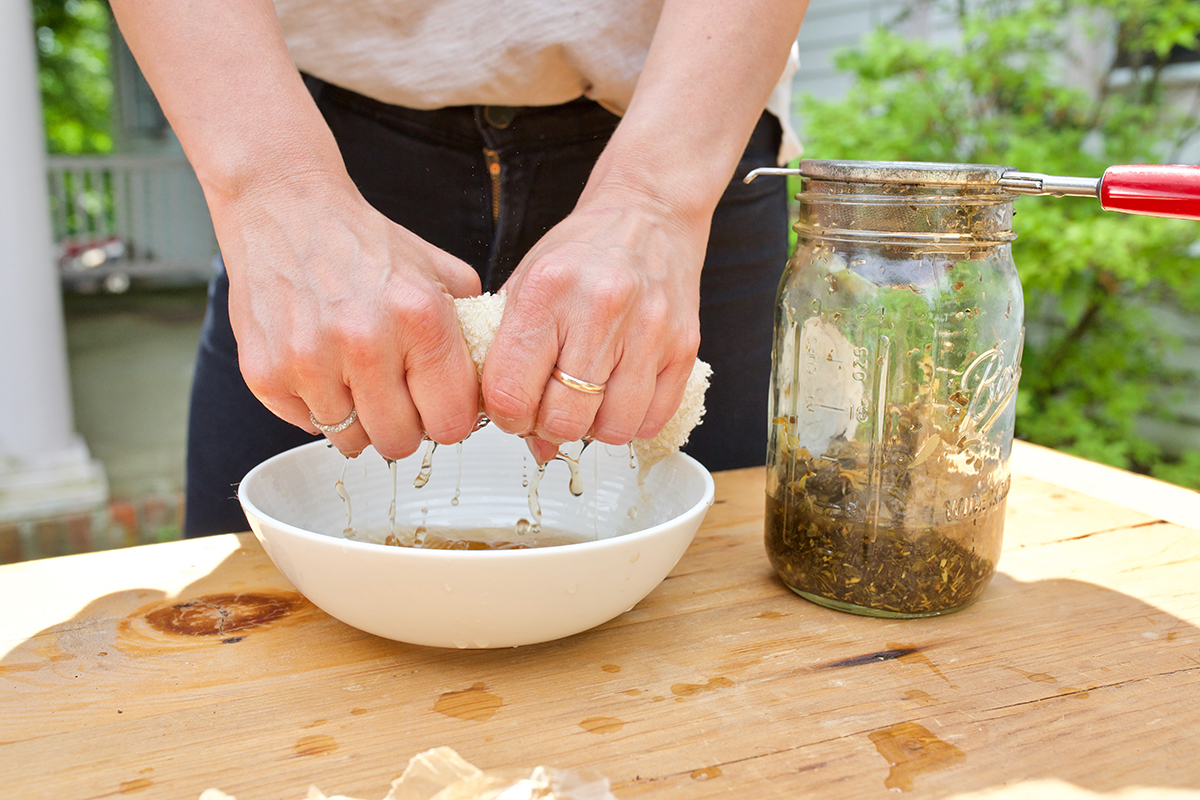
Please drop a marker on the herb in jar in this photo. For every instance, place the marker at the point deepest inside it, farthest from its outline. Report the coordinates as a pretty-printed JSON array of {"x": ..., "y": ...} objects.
[{"x": 844, "y": 536}]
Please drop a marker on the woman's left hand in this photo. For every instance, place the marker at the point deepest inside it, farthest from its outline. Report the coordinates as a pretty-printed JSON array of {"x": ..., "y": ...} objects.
[{"x": 609, "y": 296}]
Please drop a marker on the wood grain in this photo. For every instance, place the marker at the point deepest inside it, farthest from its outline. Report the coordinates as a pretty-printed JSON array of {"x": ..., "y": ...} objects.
[{"x": 160, "y": 671}]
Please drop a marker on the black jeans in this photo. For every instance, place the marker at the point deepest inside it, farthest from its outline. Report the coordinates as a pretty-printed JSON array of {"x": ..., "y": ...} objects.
[{"x": 437, "y": 173}]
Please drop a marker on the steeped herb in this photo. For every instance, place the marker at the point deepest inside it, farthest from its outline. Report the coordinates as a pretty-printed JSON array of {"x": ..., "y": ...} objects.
[{"x": 844, "y": 536}]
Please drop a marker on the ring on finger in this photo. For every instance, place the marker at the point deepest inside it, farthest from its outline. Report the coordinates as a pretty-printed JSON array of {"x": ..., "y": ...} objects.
[
  {"x": 579, "y": 385},
  {"x": 336, "y": 428}
]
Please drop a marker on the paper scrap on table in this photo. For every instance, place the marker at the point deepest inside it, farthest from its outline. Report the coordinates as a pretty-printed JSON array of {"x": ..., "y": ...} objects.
[{"x": 442, "y": 774}]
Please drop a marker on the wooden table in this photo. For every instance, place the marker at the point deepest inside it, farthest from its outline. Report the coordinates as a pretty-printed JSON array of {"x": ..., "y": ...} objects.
[{"x": 163, "y": 670}]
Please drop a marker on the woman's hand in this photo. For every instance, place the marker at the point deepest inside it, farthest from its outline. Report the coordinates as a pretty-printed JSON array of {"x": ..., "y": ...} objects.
[
  {"x": 335, "y": 307},
  {"x": 610, "y": 296}
]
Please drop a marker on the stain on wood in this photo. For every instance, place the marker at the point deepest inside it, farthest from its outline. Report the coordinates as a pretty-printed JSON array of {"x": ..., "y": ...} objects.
[
  {"x": 602, "y": 724},
  {"x": 1037, "y": 677},
  {"x": 475, "y": 704},
  {"x": 912, "y": 750},
  {"x": 693, "y": 689},
  {"x": 134, "y": 786},
  {"x": 318, "y": 744},
  {"x": 918, "y": 696}
]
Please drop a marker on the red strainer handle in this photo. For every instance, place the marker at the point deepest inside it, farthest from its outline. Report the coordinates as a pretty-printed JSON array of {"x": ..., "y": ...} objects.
[{"x": 1152, "y": 190}]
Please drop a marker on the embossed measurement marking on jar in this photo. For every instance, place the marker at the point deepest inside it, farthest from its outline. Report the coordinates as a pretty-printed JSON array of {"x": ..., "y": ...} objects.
[{"x": 875, "y": 476}]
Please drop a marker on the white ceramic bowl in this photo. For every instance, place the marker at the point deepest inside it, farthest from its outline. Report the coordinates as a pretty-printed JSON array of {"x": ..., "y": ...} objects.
[{"x": 498, "y": 598}]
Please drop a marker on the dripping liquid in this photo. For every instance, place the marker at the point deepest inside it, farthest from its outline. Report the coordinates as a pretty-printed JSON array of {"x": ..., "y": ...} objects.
[
  {"x": 392, "y": 508},
  {"x": 426, "y": 466},
  {"x": 535, "y": 506},
  {"x": 340, "y": 488},
  {"x": 525, "y": 534},
  {"x": 458, "y": 480}
]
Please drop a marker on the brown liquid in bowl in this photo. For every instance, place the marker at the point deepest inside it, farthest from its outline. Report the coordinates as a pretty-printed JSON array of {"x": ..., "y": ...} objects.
[{"x": 478, "y": 539}]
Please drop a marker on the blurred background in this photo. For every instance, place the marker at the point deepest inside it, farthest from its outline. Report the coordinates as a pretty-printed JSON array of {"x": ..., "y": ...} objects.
[{"x": 98, "y": 333}]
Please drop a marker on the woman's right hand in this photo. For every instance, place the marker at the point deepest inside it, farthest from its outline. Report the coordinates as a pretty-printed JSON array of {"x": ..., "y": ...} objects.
[{"x": 335, "y": 307}]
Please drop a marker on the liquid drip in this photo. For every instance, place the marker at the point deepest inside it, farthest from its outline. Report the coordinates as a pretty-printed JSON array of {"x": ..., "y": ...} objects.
[
  {"x": 535, "y": 505},
  {"x": 458, "y": 448},
  {"x": 426, "y": 466},
  {"x": 523, "y": 527},
  {"x": 392, "y": 508},
  {"x": 576, "y": 484},
  {"x": 340, "y": 488}
]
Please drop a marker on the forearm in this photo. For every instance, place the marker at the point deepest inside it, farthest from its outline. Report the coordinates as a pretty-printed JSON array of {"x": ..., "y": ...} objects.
[
  {"x": 226, "y": 82},
  {"x": 710, "y": 69}
]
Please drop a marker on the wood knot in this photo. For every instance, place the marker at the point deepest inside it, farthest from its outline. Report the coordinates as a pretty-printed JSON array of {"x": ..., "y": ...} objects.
[{"x": 221, "y": 614}]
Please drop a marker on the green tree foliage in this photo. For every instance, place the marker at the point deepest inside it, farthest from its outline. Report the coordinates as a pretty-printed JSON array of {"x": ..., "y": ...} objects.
[
  {"x": 73, "y": 69},
  {"x": 1009, "y": 92}
]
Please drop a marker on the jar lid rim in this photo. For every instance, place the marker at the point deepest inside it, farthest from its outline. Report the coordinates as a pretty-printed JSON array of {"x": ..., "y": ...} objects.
[{"x": 903, "y": 172}]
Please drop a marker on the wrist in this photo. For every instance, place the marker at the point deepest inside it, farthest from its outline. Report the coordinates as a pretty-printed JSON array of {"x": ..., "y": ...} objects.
[
  {"x": 656, "y": 180},
  {"x": 244, "y": 167}
]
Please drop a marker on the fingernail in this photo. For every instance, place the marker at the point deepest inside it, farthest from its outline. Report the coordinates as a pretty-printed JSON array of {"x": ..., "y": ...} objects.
[{"x": 543, "y": 451}]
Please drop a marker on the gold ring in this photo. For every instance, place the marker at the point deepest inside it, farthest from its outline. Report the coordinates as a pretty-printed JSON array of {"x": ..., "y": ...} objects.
[
  {"x": 339, "y": 427},
  {"x": 575, "y": 383}
]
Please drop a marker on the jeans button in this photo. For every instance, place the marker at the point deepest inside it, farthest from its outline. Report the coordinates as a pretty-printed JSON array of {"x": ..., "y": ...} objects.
[{"x": 499, "y": 116}]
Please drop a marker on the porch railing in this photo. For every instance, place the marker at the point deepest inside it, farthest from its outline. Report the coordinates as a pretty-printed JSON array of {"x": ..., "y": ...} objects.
[{"x": 121, "y": 218}]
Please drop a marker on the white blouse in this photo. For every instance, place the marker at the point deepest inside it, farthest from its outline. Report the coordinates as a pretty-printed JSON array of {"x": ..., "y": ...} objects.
[{"x": 435, "y": 53}]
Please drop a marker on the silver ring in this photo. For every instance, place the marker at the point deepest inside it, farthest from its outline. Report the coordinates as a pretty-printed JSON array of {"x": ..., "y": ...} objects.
[
  {"x": 578, "y": 385},
  {"x": 338, "y": 428}
]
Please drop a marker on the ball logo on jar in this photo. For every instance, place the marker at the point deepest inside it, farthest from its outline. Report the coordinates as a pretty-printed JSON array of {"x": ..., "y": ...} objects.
[{"x": 988, "y": 385}]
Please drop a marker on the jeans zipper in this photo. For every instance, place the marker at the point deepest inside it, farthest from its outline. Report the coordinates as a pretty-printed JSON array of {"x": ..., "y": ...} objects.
[{"x": 493, "y": 166}]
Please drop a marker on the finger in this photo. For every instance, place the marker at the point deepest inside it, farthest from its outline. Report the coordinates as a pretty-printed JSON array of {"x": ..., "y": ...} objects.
[
  {"x": 439, "y": 372},
  {"x": 420, "y": 382},
  {"x": 388, "y": 416},
  {"x": 566, "y": 413},
  {"x": 331, "y": 405},
  {"x": 291, "y": 407},
  {"x": 626, "y": 399},
  {"x": 541, "y": 450},
  {"x": 518, "y": 365},
  {"x": 459, "y": 278},
  {"x": 445, "y": 388},
  {"x": 669, "y": 389}
]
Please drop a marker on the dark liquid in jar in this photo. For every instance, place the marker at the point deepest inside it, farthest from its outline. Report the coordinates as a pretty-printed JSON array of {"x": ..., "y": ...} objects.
[{"x": 889, "y": 566}]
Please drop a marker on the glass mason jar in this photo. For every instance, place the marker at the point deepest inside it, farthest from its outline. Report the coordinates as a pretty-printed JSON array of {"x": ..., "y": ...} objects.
[{"x": 898, "y": 338}]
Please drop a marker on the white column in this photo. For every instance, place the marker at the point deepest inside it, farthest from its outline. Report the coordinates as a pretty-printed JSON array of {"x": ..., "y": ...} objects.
[{"x": 45, "y": 468}]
